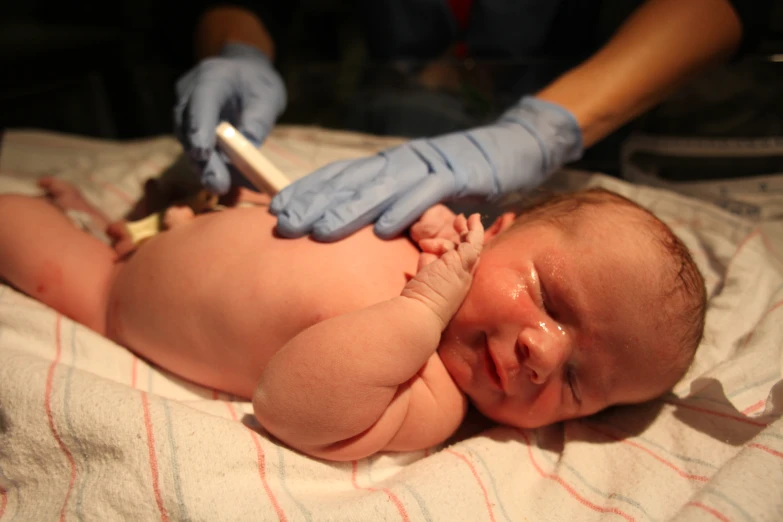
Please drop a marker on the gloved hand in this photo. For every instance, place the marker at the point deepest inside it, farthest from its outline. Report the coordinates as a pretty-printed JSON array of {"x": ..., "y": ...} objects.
[
  {"x": 527, "y": 143},
  {"x": 239, "y": 86}
]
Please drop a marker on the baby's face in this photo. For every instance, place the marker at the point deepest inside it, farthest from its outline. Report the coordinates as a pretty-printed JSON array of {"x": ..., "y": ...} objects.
[{"x": 560, "y": 323}]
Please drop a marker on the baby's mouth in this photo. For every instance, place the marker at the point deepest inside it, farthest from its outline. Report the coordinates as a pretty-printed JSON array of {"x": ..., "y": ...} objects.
[{"x": 492, "y": 367}]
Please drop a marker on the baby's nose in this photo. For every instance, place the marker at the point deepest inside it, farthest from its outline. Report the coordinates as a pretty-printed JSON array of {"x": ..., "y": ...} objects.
[{"x": 543, "y": 351}]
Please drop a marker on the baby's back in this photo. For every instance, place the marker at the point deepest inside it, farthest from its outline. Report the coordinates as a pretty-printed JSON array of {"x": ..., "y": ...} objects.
[{"x": 214, "y": 299}]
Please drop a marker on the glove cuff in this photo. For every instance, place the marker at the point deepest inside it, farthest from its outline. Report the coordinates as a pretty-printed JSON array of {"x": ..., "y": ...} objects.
[
  {"x": 240, "y": 50},
  {"x": 553, "y": 126}
]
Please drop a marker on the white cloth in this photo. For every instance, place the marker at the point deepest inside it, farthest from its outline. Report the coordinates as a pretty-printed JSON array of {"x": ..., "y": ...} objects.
[{"x": 88, "y": 431}]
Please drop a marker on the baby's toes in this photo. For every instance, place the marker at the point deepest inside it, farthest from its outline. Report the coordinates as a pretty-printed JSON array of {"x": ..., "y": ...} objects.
[{"x": 117, "y": 231}]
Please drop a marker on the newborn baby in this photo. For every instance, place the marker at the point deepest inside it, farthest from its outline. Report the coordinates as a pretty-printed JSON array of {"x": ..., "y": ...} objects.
[{"x": 363, "y": 345}]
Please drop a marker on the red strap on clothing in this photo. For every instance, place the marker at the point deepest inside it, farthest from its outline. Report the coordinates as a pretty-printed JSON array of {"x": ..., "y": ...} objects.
[{"x": 461, "y": 10}]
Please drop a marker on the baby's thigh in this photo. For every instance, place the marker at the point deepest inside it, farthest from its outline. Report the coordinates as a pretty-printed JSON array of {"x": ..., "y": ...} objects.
[{"x": 48, "y": 258}]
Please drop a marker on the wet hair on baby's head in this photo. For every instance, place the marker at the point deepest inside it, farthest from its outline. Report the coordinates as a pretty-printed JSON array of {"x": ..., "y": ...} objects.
[{"x": 687, "y": 284}]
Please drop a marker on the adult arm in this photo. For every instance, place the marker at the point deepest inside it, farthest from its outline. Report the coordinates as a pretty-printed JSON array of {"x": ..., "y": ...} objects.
[
  {"x": 659, "y": 46},
  {"x": 663, "y": 43},
  {"x": 221, "y": 24}
]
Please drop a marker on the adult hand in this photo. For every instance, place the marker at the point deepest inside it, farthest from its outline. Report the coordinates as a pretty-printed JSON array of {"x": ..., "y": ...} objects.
[
  {"x": 239, "y": 86},
  {"x": 393, "y": 188}
]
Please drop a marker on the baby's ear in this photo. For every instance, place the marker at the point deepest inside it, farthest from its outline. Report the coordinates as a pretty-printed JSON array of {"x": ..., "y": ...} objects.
[{"x": 500, "y": 224}]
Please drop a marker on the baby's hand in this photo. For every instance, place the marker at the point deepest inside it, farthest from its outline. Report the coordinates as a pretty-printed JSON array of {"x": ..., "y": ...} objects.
[
  {"x": 443, "y": 283},
  {"x": 437, "y": 221}
]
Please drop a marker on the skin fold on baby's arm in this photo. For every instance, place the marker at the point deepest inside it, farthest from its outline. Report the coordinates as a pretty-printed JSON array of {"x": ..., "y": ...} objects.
[{"x": 371, "y": 380}]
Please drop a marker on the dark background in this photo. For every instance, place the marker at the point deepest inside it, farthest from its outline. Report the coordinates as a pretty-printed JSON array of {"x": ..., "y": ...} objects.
[{"x": 107, "y": 69}]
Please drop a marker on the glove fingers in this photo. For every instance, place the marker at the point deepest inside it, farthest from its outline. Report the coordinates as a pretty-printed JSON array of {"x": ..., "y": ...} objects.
[
  {"x": 433, "y": 189},
  {"x": 364, "y": 207},
  {"x": 184, "y": 91},
  {"x": 310, "y": 196},
  {"x": 203, "y": 114},
  {"x": 303, "y": 188},
  {"x": 259, "y": 112},
  {"x": 367, "y": 187},
  {"x": 402, "y": 169},
  {"x": 215, "y": 176},
  {"x": 299, "y": 220}
]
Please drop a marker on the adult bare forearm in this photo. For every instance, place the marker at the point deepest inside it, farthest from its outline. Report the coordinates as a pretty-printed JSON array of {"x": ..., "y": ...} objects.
[
  {"x": 220, "y": 25},
  {"x": 663, "y": 43}
]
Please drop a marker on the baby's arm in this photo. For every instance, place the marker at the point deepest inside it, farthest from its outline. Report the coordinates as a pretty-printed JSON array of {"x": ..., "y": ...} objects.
[{"x": 371, "y": 380}]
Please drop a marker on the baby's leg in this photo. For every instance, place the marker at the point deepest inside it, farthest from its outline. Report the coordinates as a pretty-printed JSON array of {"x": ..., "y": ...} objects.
[{"x": 45, "y": 256}]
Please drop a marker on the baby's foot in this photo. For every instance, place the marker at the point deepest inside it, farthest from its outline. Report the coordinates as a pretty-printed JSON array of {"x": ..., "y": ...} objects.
[
  {"x": 66, "y": 197},
  {"x": 177, "y": 215},
  {"x": 443, "y": 283},
  {"x": 122, "y": 242}
]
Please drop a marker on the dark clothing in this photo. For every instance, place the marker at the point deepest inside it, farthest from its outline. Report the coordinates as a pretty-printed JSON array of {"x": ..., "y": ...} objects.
[{"x": 495, "y": 29}]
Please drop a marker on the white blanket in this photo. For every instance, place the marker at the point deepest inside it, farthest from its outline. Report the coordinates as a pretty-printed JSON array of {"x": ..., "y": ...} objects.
[{"x": 90, "y": 432}]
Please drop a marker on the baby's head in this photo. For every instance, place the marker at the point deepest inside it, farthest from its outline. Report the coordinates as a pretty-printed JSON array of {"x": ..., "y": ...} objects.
[{"x": 584, "y": 301}]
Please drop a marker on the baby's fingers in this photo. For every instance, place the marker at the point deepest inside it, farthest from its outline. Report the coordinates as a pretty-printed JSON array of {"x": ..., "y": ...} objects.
[
  {"x": 475, "y": 231},
  {"x": 435, "y": 222},
  {"x": 460, "y": 225},
  {"x": 472, "y": 239},
  {"x": 436, "y": 245}
]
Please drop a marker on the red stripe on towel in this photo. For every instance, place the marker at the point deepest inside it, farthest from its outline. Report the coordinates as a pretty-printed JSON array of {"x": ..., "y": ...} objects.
[
  {"x": 768, "y": 245},
  {"x": 394, "y": 498},
  {"x": 164, "y": 515},
  {"x": 754, "y": 407},
  {"x": 478, "y": 479},
  {"x": 660, "y": 459},
  {"x": 714, "y": 512},
  {"x": 261, "y": 459},
  {"x": 3, "y": 501},
  {"x": 772, "y": 309},
  {"x": 570, "y": 489},
  {"x": 765, "y": 448},
  {"x": 743, "y": 243},
  {"x": 50, "y": 416}
]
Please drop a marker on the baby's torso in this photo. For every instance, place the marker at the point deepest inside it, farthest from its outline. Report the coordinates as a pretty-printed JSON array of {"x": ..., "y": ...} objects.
[{"x": 214, "y": 299}]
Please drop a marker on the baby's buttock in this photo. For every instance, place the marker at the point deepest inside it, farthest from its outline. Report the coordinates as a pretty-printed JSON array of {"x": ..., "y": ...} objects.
[{"x": 214, "y": 299}]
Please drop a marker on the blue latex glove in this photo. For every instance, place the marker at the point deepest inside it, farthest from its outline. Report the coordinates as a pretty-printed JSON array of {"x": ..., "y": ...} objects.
[
  {"x": 393, "y": 188},
  {"x": 239, "y": 86}
]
